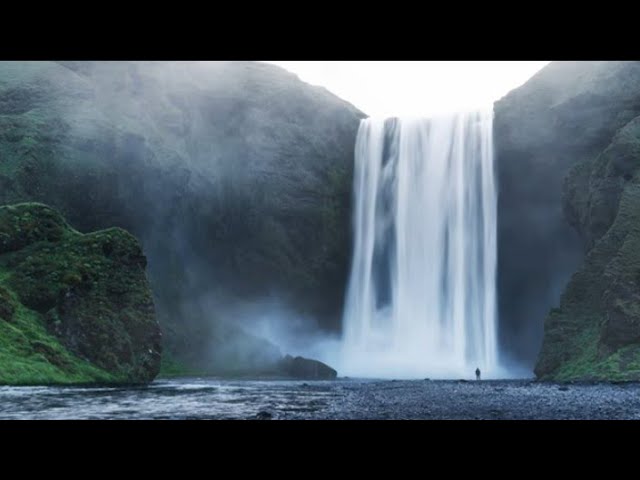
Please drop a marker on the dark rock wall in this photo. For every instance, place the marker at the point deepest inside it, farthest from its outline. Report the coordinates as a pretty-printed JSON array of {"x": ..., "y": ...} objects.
[
  {"x": 236, "y": 177},
  {"x": 89, "y": 292},
  {"x": 553, "y": 204}
]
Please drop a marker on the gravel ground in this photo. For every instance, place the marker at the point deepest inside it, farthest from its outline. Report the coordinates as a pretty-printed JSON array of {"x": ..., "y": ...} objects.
[{"x": 511, "y": 399}]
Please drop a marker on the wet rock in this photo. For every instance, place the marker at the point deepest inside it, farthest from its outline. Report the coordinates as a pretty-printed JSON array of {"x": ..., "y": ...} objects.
[
  {"x": 305, "y": 368},
  {"x": 263, "y": 416}
]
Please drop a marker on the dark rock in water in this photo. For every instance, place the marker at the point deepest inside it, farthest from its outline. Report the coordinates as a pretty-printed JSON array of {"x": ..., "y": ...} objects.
[
  {"x": 263, "y": 416},
  {"x": 563, "y": 389},
  {"x": 300, "y": 367},
  {"x": 463, "y": 380}
]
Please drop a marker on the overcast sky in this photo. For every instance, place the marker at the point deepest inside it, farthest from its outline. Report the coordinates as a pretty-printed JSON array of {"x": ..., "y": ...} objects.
[{"x": 415, "y": 88}]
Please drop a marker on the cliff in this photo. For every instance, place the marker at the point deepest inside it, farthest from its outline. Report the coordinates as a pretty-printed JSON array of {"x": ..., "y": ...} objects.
[
  {"x": 74, "y": 308},
  {"x": 566, "y": 145},
  {"x": 235, "y": 176}
]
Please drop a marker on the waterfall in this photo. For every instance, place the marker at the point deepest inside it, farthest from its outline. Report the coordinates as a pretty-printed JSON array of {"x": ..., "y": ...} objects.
[{"x": 421, "y": 298}]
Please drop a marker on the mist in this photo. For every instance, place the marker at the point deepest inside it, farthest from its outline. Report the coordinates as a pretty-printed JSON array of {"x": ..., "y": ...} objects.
[
  {"x": 539, "y": 246},
  {"x": 235, "y": 176},
  {"x": 284, "y": 255},
  {"x": 292, "y": 333}
]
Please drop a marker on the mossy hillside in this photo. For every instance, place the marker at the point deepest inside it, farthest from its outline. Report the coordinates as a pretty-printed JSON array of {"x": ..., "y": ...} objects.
[
  {"x": 595, "y": 332},
  {"x": 564, "y": 117},
  {"x": 235, "y": 176},
  {"x": 29, "y": 355},
  {"x": 83, "y": 299},
  {"x": 23, "y": 225},
  {"x": 593, "y": 187}
]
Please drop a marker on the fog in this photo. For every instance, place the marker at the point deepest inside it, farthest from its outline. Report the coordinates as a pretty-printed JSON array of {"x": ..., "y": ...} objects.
[
  {"x": 233, "y": 175},
  {"x": 416, "y": 88},
  {"x": 293, "y": 333},
  {"x": 237, "y": 179}
]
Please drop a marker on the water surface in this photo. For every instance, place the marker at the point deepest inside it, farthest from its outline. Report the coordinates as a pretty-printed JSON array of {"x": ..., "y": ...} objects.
[{"x": 205, "y": 398}]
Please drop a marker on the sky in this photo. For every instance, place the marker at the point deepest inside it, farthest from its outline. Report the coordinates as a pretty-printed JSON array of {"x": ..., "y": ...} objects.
[{"x": 395, "y": 88}]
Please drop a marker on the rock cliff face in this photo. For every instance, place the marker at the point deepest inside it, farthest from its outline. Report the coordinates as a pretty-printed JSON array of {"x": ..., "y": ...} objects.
[
  {"x": 235, "y": 176},
  {"x": 567, "y": 146},
  {"x": 595, "y": 333},
  {"x": 74, "y": 308}
]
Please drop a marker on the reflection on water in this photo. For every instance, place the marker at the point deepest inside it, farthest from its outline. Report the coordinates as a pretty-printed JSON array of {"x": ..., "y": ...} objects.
[
  {"x": 207, "y": 398},
  {"x": 167, "y": 399}
]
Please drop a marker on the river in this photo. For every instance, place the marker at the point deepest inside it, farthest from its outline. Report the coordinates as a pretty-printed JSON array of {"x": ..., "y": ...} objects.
[{"x": 206, "y": 398}]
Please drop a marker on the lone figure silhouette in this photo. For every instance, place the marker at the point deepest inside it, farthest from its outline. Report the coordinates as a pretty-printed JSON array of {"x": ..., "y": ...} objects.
[{"x": 477, "y": 373}]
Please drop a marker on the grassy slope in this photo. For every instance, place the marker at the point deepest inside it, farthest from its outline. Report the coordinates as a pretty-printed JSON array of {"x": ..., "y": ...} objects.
[
  {"x": 43, "y": 261},
  {"x": 236, "y": 178},
  {"x": 595, "y": 333},
  {"x": 29, "y": 355}
]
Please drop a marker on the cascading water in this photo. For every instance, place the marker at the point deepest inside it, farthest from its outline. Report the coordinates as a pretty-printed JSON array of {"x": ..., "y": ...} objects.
[{"x": 421, "y": 299}]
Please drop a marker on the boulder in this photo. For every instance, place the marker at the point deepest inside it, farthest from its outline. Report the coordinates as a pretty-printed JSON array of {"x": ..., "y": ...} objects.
[
  {"x": 80, "y": 305},
  {"x": 307, "y": 369}
]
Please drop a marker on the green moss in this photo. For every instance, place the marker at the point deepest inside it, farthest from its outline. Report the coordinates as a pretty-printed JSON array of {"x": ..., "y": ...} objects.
[
  {"x": 583, "y": 355},
  {"x": 7, "y": 305},
  {"x": 73, "y": 308},
  {"x": 595, "y": 332},
  {"x": 623, "y": 365},
  {"x": 586, "y": 362},
  {"x": 246, "y": 197},
  {"x": 30, "y": 356},
  {"x": 171, "y": 366},
  {"x": 27, "y": 223}
]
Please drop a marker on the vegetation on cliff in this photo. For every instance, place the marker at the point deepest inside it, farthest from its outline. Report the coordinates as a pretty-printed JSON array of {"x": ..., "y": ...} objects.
[
  {"x": 566, "y": 145},
  {"x": 595, "y": 332},
  {"x": 74, "y": 308},
  {"x": 235, "y": 176}
]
